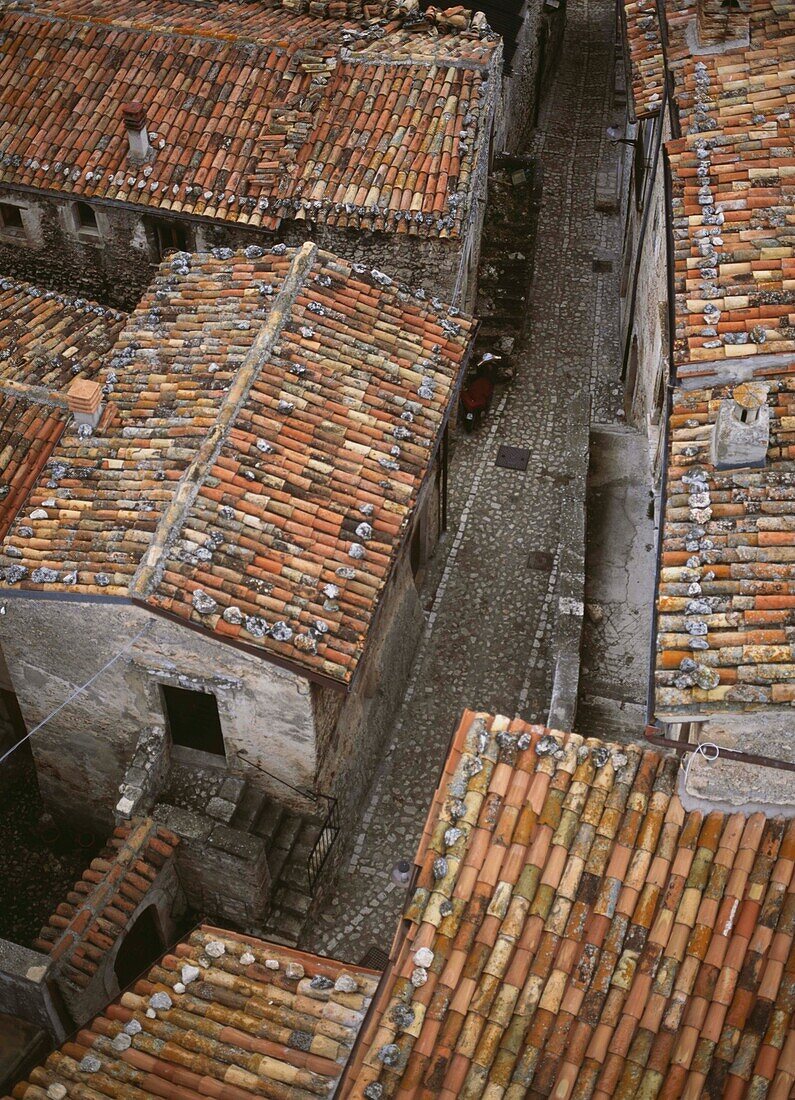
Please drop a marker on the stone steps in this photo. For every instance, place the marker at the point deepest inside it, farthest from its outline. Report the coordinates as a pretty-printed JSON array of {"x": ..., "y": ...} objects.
[
  {"x": 506, "y": 261},
  {"x": 289, "y": 838}
]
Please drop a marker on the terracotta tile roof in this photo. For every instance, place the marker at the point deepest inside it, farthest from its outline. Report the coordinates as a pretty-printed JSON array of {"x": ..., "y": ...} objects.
[
  {"x": 273, "y": 418},
  {"x": 224, "y": 1016},
  {"x": 734, "y": 245},
  {"x": 97, "y": 910},
  {"x": 254, "y": 113},
  {"x": 575, "y": 933},
  {"x": 728, "y": 91},
  {"x": 644, "y": 45},
  {"x": 726, "y": 591},
  {"x": 46, "y": 340},
  {"x": 730, "y": 30}
]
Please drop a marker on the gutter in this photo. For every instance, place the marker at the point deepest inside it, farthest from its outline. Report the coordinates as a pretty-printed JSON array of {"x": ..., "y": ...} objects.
[
  {"x": 673, "y": 110},
  {"x": 622, "y": 22}
]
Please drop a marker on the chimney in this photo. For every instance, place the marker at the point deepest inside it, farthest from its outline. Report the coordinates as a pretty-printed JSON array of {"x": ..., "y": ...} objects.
[
  {"x": 723, "y": 24},
  {"x": 135, "y": 122},
  {"x": 742, "y": 429},
  {"x": 84, "y": 400}
]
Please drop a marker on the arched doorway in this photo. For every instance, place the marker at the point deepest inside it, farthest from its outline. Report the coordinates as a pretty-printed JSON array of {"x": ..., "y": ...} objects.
[{"x": 140, "y": 947}]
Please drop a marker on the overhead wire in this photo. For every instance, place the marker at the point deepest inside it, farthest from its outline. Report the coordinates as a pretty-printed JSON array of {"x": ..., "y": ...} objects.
[{"x": 76, "y": 692}]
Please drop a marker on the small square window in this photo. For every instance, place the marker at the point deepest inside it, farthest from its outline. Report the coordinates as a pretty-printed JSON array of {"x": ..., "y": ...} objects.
[
  {"x": 193, "y": 720},
  {"x": 86, "y": 218},
  {"x": 11, "y": 217}
]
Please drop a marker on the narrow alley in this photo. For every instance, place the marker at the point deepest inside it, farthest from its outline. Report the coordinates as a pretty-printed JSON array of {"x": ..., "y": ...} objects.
[{"x": 490, "y": 637}]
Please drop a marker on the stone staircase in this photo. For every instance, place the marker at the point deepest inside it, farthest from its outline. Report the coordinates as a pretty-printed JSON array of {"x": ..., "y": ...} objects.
[
  {"x": 289, "y": 838},
  {"x": 506, "y": 260}
]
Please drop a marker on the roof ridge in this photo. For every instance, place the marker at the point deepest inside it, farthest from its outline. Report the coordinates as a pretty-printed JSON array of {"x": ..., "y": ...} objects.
[{"x": 150, "y": 569}]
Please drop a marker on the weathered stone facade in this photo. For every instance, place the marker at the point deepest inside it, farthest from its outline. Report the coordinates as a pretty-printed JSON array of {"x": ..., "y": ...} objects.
[
  {"x": 112, "y": 738},
  {"x": 539, "y": 40},
  {"x": 116, "y": 265},
  {"x": 645, "y": 322}
]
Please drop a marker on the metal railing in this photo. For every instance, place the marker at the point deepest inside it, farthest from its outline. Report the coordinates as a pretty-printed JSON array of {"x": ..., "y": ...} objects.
[
  {"x": 327, "y": 838},
  {"x": 329, "y": 829}
]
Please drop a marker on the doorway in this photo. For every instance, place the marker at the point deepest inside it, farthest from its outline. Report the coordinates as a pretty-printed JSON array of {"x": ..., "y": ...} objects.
[
  {"x": 193, "y": 720},
  {"x": 139, "y": 948}
]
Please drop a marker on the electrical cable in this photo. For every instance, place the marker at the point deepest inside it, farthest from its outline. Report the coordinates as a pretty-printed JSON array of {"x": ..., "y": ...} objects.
[
  {"x": 75, "y": 693},
  {"x": 701, "y": 750}
]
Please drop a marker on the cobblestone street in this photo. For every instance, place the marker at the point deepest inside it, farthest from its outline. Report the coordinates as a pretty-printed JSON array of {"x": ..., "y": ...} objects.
[{"x": 490, "y": 636}]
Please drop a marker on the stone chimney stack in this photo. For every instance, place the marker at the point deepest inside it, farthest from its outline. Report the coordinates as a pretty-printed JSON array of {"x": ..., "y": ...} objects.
[
  {"x": 84, "y": 399},
  {"x": 742, "y": 429},
  {"x": 135, "y": 122},
  {"x": 723, "y": 23}
]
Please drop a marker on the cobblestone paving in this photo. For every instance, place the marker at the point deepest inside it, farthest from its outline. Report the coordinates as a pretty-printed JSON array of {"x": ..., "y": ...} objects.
[{"x": 489, "y": 639}]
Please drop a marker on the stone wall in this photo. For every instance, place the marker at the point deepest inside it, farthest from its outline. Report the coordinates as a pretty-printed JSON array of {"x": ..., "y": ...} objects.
[
  {"x": 83, "y": 753},
  {"x": 115, "y": 265},
  {"x": 538, "y": 45},
  {"x": 428, "y": 262},
  {"x": 223, "y": 871},
  {"x": 646, "y": 329},
  {"x": 351, "y": 736},
  {"x": 25, "y": 989}
]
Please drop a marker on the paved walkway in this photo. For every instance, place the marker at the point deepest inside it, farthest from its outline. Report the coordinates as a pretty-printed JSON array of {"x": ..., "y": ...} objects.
[
  {"x": 619, "y": 589},
  {"x": 490, "y": 631}
]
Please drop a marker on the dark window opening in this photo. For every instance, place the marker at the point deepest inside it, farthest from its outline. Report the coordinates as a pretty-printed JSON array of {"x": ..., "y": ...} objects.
[
  {"x": 139, "y": 948},
  {"x": 193, "y": 720},
  {"x": 11, "y": 216},
  {"x": 171, "y": 237},
  {"x": 86, "y": 218}
]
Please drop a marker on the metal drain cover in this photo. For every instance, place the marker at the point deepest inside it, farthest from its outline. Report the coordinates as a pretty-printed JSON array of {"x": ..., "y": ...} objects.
[
  {"x": 512, "y": 458},
  {"x": 375, "y": 958},
  {"x": 540, "y": 559}
]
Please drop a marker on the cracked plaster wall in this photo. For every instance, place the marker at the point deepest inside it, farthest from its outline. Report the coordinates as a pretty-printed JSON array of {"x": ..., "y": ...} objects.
[{"x": 82, "y": 754}]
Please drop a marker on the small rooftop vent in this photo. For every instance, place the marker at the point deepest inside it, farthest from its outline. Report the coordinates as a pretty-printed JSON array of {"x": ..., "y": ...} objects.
[
  {"x": 134, "y": 114},
  {"x": 742, "y": 429}
]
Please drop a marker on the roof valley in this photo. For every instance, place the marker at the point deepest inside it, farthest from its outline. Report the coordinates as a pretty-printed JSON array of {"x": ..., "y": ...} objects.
[{"x": 150, "y": 570}]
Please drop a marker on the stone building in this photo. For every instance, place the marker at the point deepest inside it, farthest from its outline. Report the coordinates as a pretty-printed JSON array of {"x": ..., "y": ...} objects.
[
  {"x": 724, "y": 662},
  {"x": 239, "y": 534},
  {"x": 122, "y": 913},
  {"x": 581, "y": 931},
  {"x": 220, "y": 1014},
  {"x": 572, "y": 927},
  {"x": 238, "y": 124},
  {"x": 48, "y": 341}
]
